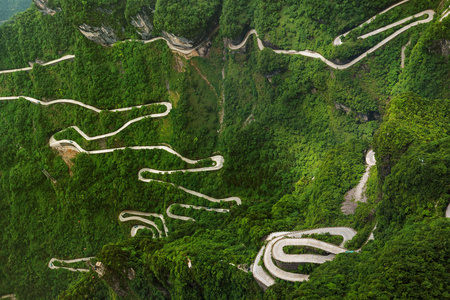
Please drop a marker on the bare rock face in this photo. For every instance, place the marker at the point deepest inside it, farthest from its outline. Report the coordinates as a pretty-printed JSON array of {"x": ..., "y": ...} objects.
[
  {"x": 143, "y": 25},
  {"x": 340, "y": 106},
  {"x": 372, "y": 115},
  {"x": 131, "y": 274},
  {"x": 103, "y": 35},
  {"x": 441, "y": 47},
  {"x": 180, "y": 42},
  {"x": 42, "y": 5}
]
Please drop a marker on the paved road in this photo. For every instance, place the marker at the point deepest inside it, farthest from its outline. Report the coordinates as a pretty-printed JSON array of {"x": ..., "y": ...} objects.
[
  {"x": 445, "y": 14},
  {"x": 279, "y": 254},
  {"x": 259, "y": 273},
  {"x": 211, "y": 199},
  {"x": 346, "y": 232},
  {"x": 71, "y": 261},
  {"x": 50, "y": 63},
  {"x": 217, "y": 164},
  {"x": 313, "y": 54},
  {"x": 171, "y": 46},
  {"x": 447, "y": 212},
  {"x": 217, "y": 160},
  {"x": 265, "y": 253},
  {"x": 137, "y": 216},
  {"x": 90, "y": 107},
  {"x": 337, "y": 41},
  {"x": 183, "y": 218},
  {"x": 200, "y": 195},
  {"x": 168, "y": 106}
]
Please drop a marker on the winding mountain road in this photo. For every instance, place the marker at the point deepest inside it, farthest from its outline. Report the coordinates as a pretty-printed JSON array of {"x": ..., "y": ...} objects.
[
  {"x": 278, "y": 253},
  {"x": 337, "y": 41},
  {"x": 292, "y": 238},
  {"x": 168, "y": 106},
  {"x": 217, "y": 160},
  {"x": 276, "y": 241},
  {"x": 137, "y": 216},
  {"x": 331, "y": 64},
  {"x": 71, "y": 261},
  {"x": 183, "y": 218},
  {"x": 273, "y": 252},
  {"x": 50, "y": 63},
  {"x": 276, "y": 260}
]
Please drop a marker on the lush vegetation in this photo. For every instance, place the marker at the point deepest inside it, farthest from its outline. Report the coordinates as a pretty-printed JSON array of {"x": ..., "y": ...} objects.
[
  {"x": 290, "y": 152},
  {"x": 186, "y": 18}
]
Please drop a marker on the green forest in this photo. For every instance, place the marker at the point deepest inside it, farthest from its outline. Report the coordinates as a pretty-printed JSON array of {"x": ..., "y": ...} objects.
[{"x": 268, "y": 143}]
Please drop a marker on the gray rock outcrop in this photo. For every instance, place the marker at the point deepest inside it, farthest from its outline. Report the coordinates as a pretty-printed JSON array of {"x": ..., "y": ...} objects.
[
  {"x": 143, "y": 25},
  {"x": 180, "y": 42},
  {"x": 441, "y": 47},
  {"x": 42, "y": 5},
  {"x": 372, "y": 115},
  {"x": 103, "y": 35}
]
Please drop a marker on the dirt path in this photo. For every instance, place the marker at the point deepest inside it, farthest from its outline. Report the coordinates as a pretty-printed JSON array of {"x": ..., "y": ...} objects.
[
  {"x": 403, "y": 54},
  {"x": 357, "y": 194}
]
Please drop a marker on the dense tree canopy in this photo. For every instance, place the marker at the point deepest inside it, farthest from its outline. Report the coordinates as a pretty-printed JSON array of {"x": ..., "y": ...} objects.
[
  {"x": 293, "y": 133},
  {"x": 187, "y": 18}
]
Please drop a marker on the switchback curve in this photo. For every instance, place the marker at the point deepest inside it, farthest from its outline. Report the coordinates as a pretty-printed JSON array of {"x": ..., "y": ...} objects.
[
  {"x": 312, "y": 54},
  {"x": 337, "y": 41},
  {"x": 217, "y": 160},
  {"x": 71, "y": 261},
  {"x": 292, "y": 238},
  {"x": 138, "y": 217},
  {"x": 58, "y": 144},
  {"x": 168, "y": 106}
]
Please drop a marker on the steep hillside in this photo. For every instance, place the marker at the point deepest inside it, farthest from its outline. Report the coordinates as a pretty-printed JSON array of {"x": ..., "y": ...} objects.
[{"x": 222, "y": 150}]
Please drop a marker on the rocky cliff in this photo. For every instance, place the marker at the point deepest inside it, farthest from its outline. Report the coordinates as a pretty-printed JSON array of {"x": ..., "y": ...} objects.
[
  {"x": 107, "y": 34},
  {"x": 42, "y": 6},
  {"x": 103, "y": 35},
  {"x": 372, "y": 115},
  {"x": 179, "y": 41},
  {"x": 143, "y": 23}
]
